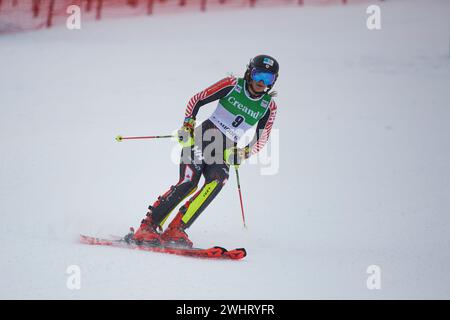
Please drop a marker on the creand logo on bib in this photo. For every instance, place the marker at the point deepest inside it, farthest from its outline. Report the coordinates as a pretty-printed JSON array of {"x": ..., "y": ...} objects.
[{"x": 243, "y": 108}]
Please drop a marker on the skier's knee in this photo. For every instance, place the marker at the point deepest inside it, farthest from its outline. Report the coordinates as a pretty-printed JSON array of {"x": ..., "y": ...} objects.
[{"x": 221, "y": 176}]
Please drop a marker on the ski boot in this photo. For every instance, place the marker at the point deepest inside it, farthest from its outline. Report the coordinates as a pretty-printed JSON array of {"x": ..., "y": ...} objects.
[
  {"x": 148, "y": 231},
  {"x": 174, "y": 235}
]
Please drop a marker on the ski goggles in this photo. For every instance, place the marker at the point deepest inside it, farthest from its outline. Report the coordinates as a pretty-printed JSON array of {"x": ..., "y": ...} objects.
[{"x": 267, "y": 77}]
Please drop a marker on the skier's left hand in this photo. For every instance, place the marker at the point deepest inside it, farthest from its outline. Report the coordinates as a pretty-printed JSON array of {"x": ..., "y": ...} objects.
[{"x": 235, "y": 156}]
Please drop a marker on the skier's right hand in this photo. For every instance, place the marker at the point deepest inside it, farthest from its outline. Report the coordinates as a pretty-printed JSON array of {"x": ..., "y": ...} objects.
[{"x": 186, "y": 132}]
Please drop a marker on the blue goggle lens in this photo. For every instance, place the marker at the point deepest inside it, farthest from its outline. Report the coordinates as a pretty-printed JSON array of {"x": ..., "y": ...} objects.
[{"x": 266, "y": 77}]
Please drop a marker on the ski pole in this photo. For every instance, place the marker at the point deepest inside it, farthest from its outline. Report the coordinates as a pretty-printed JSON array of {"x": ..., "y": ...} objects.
[
  {"x": 240, "y": 195},
  {"x": 119, "y": 138}
]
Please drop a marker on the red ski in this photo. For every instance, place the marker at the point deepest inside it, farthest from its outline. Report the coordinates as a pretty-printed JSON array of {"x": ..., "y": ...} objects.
[{"x": 211, "y": 253}]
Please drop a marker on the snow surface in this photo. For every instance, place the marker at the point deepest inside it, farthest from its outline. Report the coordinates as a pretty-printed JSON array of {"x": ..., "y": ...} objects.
[{"x": 364, "y": 158}]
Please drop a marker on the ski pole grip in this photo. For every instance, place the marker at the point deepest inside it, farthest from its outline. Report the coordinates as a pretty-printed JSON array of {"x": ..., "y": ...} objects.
[{"x": 119, "y": 138}]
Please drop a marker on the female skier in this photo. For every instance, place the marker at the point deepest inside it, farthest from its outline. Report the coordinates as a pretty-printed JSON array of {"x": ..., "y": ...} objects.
[{"x": 243, "y": 103}]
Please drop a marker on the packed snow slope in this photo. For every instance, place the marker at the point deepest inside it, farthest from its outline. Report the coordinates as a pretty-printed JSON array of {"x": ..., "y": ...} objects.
[{"x": 363, "y": 136}]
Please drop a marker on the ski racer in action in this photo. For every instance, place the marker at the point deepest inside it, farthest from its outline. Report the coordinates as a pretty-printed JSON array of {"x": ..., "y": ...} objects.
[{"x": 243, "y": 103}]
